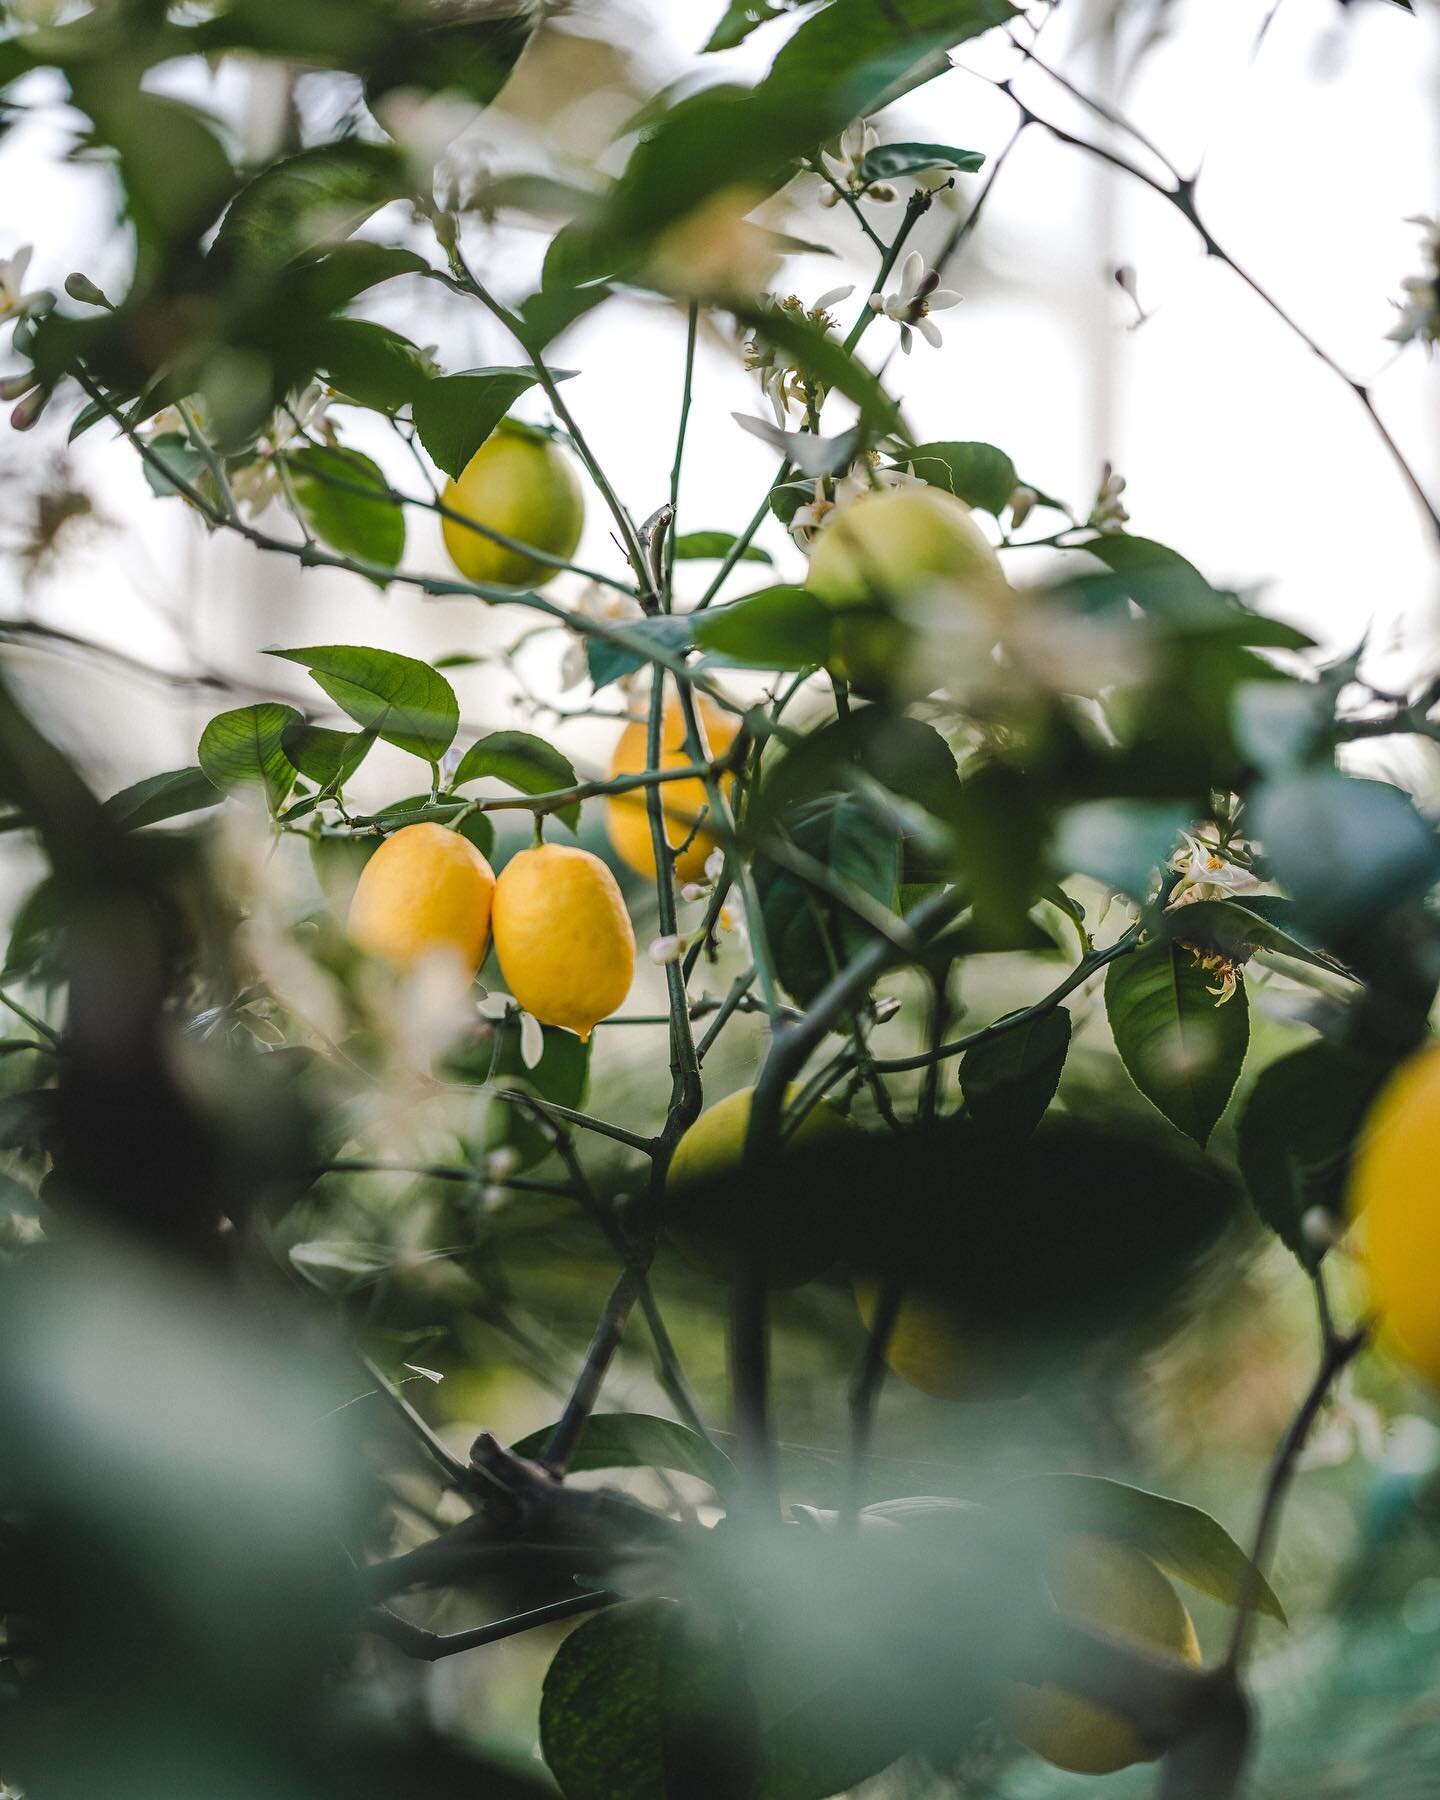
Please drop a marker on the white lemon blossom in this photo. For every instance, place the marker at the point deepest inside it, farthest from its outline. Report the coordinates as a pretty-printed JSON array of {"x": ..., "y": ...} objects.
[
  {"x": 1206, "y": 874},
  {"x": 918, "y": 295},
  {"x": 783, "y": 386},
  {"x": 1108, "y": 514},
  {"x": 847, "y": 169},
  {"x": 532, "y": 1040},
  {"x": 862, "y": 477},
  {"x": 14, "y": 301},
  {"x": 1420, "y": 309}
]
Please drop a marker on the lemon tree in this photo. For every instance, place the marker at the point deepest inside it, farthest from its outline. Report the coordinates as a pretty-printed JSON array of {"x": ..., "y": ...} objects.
[{"x": 787, "y": 1092}]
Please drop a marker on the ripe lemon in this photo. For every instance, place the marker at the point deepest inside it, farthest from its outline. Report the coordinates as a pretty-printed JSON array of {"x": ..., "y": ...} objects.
[
  {"x": 563, "y": 936},
  {"x": 627, "y": 817},
  {"x": 1112, "y": 1588},
  {"x": 881, "y": 548},
  {"x": 786, "y": 1203},
  {"x": 425, "y": 889},
  {"x": 521, "y": 485},
  {"x": 1395, "y": 1194},
  {"x": 929, "y": 1346}
]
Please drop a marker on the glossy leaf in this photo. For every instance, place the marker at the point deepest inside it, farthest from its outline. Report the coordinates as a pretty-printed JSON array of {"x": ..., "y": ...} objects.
[
  {"x": 888, "y": 162},
  {"x": 778, "y": 628},
  {"x": 639, "y": 1441},
  {"x": 1297, "y": 1132},
  {"x": 713, "y": 546},
  {"x": 455, "y": 414},
  {"x": 978, "y": 474},
  {"x": 1172, "y": 590},
  {"x": 812, "y": 933},
  {"x": 308, "y": 201},
  {"x": 160, "y": 797},
  {"x": 368, "y": 363},
  {"x": 1186, "y": 1543},
  {"x": 327, "y": 757},
  {"x": 1249, "y": 922},
  {"x": 244, "y": 750},
  {"x": 1009, "y": 1080},
  {"x": 406, "y": 702},
  {"x": 325, "y": 481},
  {"x": 521, "y": 761},
  {"x": 1181, "y": 1049},
  {"x": 349, "y": 270},
  {"x": 871, "y": 53},
  {"x": 609, "y": 660}
]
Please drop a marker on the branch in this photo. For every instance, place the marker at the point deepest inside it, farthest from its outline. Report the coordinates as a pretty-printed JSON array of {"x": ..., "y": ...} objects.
[
  {"x": 430, "y": 1646},
  {"x": 565, "y": 1437}
]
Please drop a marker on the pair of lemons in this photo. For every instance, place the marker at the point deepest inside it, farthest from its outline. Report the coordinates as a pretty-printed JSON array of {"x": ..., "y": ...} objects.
[{"x": 562, "y": 934}]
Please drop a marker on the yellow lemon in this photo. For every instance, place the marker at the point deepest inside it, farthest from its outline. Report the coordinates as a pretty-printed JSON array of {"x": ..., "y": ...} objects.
[
  {"x": 786, "y": 1203},
  {"x": 882, "y": 548},
  {"x": 1111, "y": 1588},
  {"x": 929, "y": 1347},
  {"x": 627, "y": 817},
  {"x": 1395, "y": 1194},
  {"x": 424, "y": 889},
  {"x": 523, "y": 486},
  {"x": 563, "y": 936}
]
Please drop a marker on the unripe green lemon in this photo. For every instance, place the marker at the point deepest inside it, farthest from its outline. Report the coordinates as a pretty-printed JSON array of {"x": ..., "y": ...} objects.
[
  {"x": 425, "y": 889},
  {"x": 1114, "y": 1589},
  {"x": 1393, "y": 1194},
  {"x": 932, "y": 1347},
  {"x": 711, "y": 1207},
  {"x": 563, "y": 936},
  {"x": 880, "y": 549},
  {"x": 627, "y": 815},
  {"x": 524, "y": 486}
]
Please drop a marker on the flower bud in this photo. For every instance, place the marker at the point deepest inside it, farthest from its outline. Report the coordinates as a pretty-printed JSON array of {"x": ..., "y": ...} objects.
[
  {"x": 1022, "y": 504},
  {"x": 81, "y": 287},
  {"x": 666, "y": 950},
  {"x": 29, "y": 410}
]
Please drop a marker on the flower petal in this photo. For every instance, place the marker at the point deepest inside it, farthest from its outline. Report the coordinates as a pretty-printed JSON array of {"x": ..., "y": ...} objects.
[
  {"x": 930, "y": 331},
  {"x": 912, "y": 273}
]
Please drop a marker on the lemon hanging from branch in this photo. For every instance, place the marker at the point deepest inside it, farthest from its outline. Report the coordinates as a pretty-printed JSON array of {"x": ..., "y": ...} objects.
[
  {"x": 686, "y": 804},
  {"x": 563, "y": 936},
  {"x": 426, "y": 890},
  {"x": 522, "y": 485}
]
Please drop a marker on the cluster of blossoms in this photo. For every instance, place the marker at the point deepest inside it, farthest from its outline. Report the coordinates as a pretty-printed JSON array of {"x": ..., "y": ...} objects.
[
  {"x": 783, "y": 386},
  {"x": 1420, "y": 309},
  {"x": 1108, "y": 514},
  {"x": 847, "y": 170},
  {"x": 1208, "y": 872},
  {"x": 259, "y": 483},
  {"x": 672, "y": 946}
]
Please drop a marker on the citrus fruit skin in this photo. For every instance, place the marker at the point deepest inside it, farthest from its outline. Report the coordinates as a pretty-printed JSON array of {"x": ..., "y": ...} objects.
[
  {"x": 878, "y": 549},
  {"x": 424, "y": 890},
  {"x": 702, "y": 1185},
  {"x": 563, "y": 936},
  {"x": 627, "y": 816},
  {"x": 929, "y": 1347},
  {"x": 1111, "y": 1588},
  {"x": 1395, "y": 1196},
  {"x": 525, "y": 487}
]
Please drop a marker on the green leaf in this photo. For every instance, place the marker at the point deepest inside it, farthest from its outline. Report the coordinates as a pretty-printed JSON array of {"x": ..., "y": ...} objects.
[
  {"x": 1186, "y": 1542},
  {"x": 1172, "y": 590},
  {"x": 454, "y": 414},
  {"x": 422, "y": 809},
  {"x": 406, "y": 702},
  {"x": 870, "y": 52},
  {"x": 778, "y": 628},
  {"x": 367, "y": 363},
  {"x": 354, "y": 523},
  {"x": 308, "y": 202},
  {"x": 1180, "y": 1049},
  {"x": 1297, "y": 1132},
  {"x": 470, "y": 55},
  {"x": 175, "y": 174},
  {"x": 714, "y": 546},
  {"x": 562, "y": 1075},
  {"x": 325, "y": 756},
  {"x": 160, "y": 797},
  {"x": 1001, "y": 829},
  {"x": 174, "y": 452},
  {"x": 524, "y": 762},
  {"x": 1009, "y": 1080},
  {"x": 639, "y": 1441},
  {"x": 741, "y": 18},
  {"x": 347, "y": 271},
  {"x": 1250, "y": 922},
  {"x": 888, "y": 162},
  {"x": 609, "y": 660},
  {"x": 244, "y": 749},
  {"x": 1390, "y": 853},
  {"x": 812, "y": 933},
  {"x": 978, "y": 474},
  {"x": 600, "y": 1730},
  {"x": 1120, "y": 842}
]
